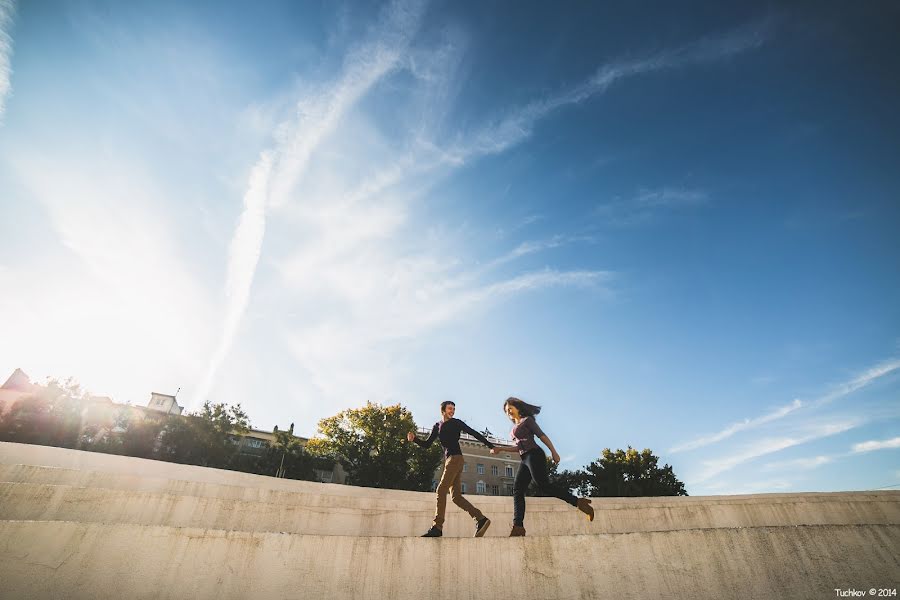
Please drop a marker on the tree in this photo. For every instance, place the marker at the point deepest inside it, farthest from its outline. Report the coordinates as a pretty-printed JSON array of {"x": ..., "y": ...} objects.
[
  {"x": 370, "y": 443},
  {"x": 206, "y": 437},
  {"x": 574, "y": 481},
  {"x": 52, "y": 416},
  {"x": 141, "y": 437},
  {"x": 285, "y": 457},
  {"x": 629, "y": 473}
]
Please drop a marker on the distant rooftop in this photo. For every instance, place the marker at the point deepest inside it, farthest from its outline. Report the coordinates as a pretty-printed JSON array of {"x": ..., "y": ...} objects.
[{"x": 18, "y": 381}]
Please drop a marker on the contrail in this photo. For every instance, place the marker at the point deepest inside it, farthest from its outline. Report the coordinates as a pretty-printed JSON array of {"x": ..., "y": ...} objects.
[
  {"x": 7, "y": 11},
  {"x": 277, "y": 171}
]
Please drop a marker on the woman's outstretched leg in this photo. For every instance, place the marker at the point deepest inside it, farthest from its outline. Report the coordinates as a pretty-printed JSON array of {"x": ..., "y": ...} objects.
[{"x": 537, "y": 464}]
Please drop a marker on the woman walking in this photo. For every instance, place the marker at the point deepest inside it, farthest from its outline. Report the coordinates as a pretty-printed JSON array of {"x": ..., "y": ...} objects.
[{"x": 534, "y": 463}]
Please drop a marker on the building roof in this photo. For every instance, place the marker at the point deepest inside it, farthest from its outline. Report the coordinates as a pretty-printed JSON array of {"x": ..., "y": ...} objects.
[{"x": 18, "y": 381}]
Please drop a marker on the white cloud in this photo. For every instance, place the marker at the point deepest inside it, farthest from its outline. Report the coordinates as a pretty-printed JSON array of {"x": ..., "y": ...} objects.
[
  {"x": 535, "y": 246},
  {"x": 738, "y": 427},
  {"x": 354, "y": 270},
  {"x": 518, "y": 125},
  {"x": 712, "y": 468},
  {"x": 647, "y": 204},
  {"x": 876, "y": 445},
  {"x": 862, "y": 380},
  {"x": 243, "y": 255},
  {"x": 277, "y": 172},
  {"x": 767, "y": 486},
  {"x": 7, "y": 11},
  {"x": 566, "y": 459},
  {"x": 802, "y": 464}
]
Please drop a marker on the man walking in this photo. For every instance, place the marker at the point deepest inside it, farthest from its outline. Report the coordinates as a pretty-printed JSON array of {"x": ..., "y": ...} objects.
[{"x": 447, "y": 430}]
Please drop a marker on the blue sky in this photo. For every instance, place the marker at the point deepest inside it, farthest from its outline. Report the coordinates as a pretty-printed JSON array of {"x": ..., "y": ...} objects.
[{"x": 673, "y": 228}]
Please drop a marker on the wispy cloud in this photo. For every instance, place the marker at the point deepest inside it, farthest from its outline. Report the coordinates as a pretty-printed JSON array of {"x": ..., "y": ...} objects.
[
  {"x": 567, "y": 459},
  {"x": 766, "y": 486},
  {"x": 7, "y": 12},
  {"x": 535, "y": 246},
  {"x": 519, "y": 124},
  {"x": 647, "y": 204},
  {"x": 818, "y": 461},
  {"x": 243, "y": 256},
  {"x": 738, "y": 427},
  {"x": 876, "y": 445},
  {"x": 802, "y": 464},
  {"x": 862, "y": 380},
  {"x": 714, "y": 467},
  {"x": 277, "y": 172},
  {"x": 355, "y": 267}
]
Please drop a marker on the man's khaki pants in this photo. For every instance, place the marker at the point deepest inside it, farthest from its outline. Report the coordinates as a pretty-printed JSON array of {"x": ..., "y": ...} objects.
[{"x": 451, "y": 481}]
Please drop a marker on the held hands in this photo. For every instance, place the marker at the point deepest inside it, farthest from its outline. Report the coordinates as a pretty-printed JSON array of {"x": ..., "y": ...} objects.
[
  {"x": 555, "y": 458},
  {"x": 410, "y": 436}
]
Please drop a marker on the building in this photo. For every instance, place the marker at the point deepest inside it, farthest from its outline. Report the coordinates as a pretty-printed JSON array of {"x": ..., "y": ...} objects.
[
  {"x": 16, "y": 387},
  {"x": 484, "y": 473},
  {"x": 256, "y": 441},
  {"x": 164, "y": 403}
]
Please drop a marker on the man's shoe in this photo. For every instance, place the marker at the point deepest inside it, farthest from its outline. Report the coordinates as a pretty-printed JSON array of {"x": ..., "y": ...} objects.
[
  {"x": 481, "y": 525},
  {"x": 517, "y": 531},
  {"x": 433, "y": 532},
  {"x": 584, "y": 505}
]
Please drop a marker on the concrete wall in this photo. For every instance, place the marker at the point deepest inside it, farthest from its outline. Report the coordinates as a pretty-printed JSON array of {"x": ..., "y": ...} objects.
[
  {"x": 73, "y": 561},
  {"x": 280, "y": 511},
  {"x": 84, "y": 525}
]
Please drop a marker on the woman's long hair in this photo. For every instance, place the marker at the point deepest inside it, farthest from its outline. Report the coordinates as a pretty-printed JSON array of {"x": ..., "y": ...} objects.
[{"x": 525, "y": 409}]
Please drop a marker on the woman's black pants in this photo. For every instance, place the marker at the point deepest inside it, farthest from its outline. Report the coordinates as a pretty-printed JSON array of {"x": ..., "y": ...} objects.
[{"x": 534, "y": 467}]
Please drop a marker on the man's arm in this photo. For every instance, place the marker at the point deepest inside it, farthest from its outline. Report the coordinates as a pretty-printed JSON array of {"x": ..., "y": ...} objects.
[
  {"x": 431, "y": 438},
  {"x": 476, "y": 435}
]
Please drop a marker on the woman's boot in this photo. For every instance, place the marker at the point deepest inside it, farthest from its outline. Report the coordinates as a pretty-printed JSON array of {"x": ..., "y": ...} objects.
[{"x": 584, "y": 505}]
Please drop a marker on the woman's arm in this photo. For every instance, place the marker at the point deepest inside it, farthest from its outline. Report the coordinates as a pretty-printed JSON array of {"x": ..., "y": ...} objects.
[{"x": 554, "y": 455}]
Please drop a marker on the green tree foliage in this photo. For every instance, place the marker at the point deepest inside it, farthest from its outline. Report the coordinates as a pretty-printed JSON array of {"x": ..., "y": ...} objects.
[
  {"x": 570, "y": 480},
  {"x": 285, "y": 457},
  {"x": 60, "y": 414},
  {"x": 141, "y": 438},
  {"x": 370, "y": 443},
  {"x": 627, "y": 473},
  {"x": 208, "y": 437},
  {"x": 52, "y": 416}
]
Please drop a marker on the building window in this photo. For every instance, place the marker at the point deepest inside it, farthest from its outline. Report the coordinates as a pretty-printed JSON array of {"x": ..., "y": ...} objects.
[
  {"x": 480, "y": 469},
  {"x": 495, "y": 470},
  {"x": 509, "y": 471},
  {"x": 495, "y": 490},
  {"x": 464, "y": 487},
  {"x": 255, "y": 443},
  {"x": 479, "y": 487},
  {"x": 465, "y": 467},
  {"x": 508, "y": 489}
]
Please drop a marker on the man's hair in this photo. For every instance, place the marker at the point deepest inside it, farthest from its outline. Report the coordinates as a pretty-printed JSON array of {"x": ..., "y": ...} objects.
[{"x": 445, "y": 403}]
